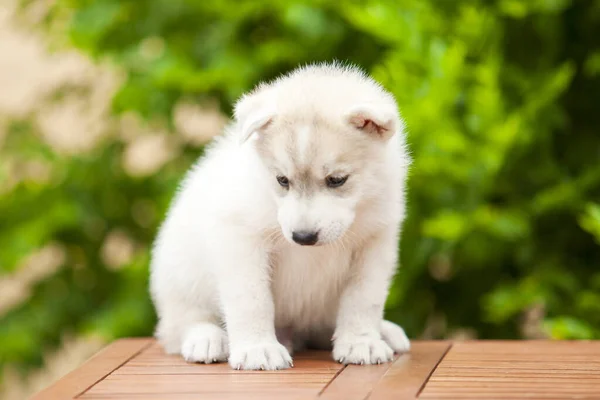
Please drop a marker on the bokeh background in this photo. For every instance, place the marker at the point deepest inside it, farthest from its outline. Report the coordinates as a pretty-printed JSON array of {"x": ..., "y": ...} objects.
[{"x": 105, "y": 103}]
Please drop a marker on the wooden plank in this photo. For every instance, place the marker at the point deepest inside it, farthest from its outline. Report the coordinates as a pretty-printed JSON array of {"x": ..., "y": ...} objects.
[
  {"x": 293, "y": 394},
  {"x": 143, "y": 384},
  {"x": 150, "y": 362},
  {"x": 355, "y": 382},
  {"x": 225, "y": 384},
  {"x": 94, "y": 370},
  {"x": 138, "y": 369},
  {"x": 405, "y": 378},
  {"x": 153, "y": 374},
  {"x": 549, "y": 366},
  {"x": 469, "y": 394},
  {"x": 300, "y": 367},
  {"x": 517, "y": 369}
]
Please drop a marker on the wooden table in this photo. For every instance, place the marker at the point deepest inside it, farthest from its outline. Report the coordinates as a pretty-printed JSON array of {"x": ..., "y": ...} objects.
[{"x": 138, "y": 369}]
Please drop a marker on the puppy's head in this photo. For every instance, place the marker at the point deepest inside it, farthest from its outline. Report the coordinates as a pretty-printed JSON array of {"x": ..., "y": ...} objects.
[{"x": 322, "y": 133}]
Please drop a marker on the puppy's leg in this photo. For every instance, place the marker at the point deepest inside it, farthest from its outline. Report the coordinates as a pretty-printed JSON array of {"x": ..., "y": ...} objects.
[
  {"x": 357, "y": 338},
  {"x": 247, "y": 301}
]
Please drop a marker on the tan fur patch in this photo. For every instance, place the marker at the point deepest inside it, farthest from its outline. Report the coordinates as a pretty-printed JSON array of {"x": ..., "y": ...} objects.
[{"x": 306, "y": 152}]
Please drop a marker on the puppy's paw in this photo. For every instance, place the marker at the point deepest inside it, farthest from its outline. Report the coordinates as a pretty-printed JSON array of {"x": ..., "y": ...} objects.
[
  {"x": 355, "y": 349},
  {"x": 395, "y": 337},
  {"x": 205, "y": 343},
  {"x": 264, "y": 356}
]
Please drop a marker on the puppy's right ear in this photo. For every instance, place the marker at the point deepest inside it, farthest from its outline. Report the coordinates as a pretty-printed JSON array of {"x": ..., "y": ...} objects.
[{"x": 253, "y": 112}]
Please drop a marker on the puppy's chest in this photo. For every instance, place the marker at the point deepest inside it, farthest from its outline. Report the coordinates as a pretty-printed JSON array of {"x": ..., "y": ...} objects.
[{"x": 308, "y": 280}]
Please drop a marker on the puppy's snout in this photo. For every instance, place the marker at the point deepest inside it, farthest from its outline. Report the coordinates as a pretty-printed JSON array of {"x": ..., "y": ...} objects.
[{"x": 305, "y": 238}]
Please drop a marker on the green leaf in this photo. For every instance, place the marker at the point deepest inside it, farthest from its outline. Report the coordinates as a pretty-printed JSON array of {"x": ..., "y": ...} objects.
[{"x": 566, "y": 327}]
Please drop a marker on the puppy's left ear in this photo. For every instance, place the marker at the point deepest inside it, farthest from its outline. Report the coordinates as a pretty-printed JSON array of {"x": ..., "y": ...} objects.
[
  {"x": 253, "y": 113},
  {"x": 379, "y": 121}
]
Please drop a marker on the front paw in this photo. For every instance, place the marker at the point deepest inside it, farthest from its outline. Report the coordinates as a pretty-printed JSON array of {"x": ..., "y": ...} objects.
[
  {"x": 361, "y": 349},
  {"x": 264, "y": 356},
  {"x": 205, "y": 343}
]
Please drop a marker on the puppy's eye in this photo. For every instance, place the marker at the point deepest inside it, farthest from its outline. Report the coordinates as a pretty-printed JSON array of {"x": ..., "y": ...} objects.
[
  {"x": 283, "y": 181},
  {"x": 335, "y": 181}
]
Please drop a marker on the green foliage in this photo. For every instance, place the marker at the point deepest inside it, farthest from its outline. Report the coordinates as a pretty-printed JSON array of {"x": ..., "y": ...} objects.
[
  {"x": 590, "y": 220},
  {"x": 499, "y": 98}
]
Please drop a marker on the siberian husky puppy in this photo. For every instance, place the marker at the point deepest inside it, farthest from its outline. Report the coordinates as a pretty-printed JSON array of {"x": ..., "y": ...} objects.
[{"x": 285, "y": 234}]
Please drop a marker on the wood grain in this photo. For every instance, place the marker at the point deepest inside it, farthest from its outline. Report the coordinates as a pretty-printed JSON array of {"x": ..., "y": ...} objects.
[
  {"x": 94, "y": 370},
  {"x": 153, "y": 374},
  {"x": 410, "y": 371},
  {"x": 293, "y": 394},
  {"x": 519, "y": 369},
  {"x": 139, "y": 369},
  {"x": 354, "y": 382}
]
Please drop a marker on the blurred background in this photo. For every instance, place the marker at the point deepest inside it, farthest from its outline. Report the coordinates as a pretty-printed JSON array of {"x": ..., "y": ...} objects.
[{"x": 104, "y": 104}]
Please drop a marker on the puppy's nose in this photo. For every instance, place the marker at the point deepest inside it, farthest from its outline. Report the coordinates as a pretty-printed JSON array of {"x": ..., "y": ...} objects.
[{"x": 305, "y": 238}]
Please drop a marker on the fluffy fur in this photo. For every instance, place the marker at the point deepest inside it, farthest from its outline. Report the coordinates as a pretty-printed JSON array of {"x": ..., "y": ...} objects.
[{"x": 228, "y": 280}]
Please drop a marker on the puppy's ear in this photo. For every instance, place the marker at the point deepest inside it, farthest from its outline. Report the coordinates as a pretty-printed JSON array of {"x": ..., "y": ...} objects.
[
  {"x": 376, "y": 120},
  {"x": 253, "y": 113}
]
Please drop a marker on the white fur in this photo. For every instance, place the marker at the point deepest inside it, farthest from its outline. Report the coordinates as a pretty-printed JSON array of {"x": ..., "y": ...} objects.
[
  {"x": 225, "y": 272},
  {"x": 303, "y": 141}
]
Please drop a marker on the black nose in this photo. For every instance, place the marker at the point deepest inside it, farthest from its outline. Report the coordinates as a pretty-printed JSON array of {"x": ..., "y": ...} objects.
[{"x": 305, "y": 238}]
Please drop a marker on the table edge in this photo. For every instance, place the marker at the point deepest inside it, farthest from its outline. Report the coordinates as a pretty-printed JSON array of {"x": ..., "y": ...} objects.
[{"x": 94, "y": 369}]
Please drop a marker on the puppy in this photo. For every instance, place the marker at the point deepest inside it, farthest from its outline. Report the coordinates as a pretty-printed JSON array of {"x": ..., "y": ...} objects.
[{"x": 288, "y": 226}]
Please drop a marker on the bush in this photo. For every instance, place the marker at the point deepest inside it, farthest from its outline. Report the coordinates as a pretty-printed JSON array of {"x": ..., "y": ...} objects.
[{"x": 500, "y": 98}]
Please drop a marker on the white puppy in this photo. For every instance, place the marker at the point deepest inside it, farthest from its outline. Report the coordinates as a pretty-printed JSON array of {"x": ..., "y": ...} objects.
[{"x": 290, "y": 222}]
